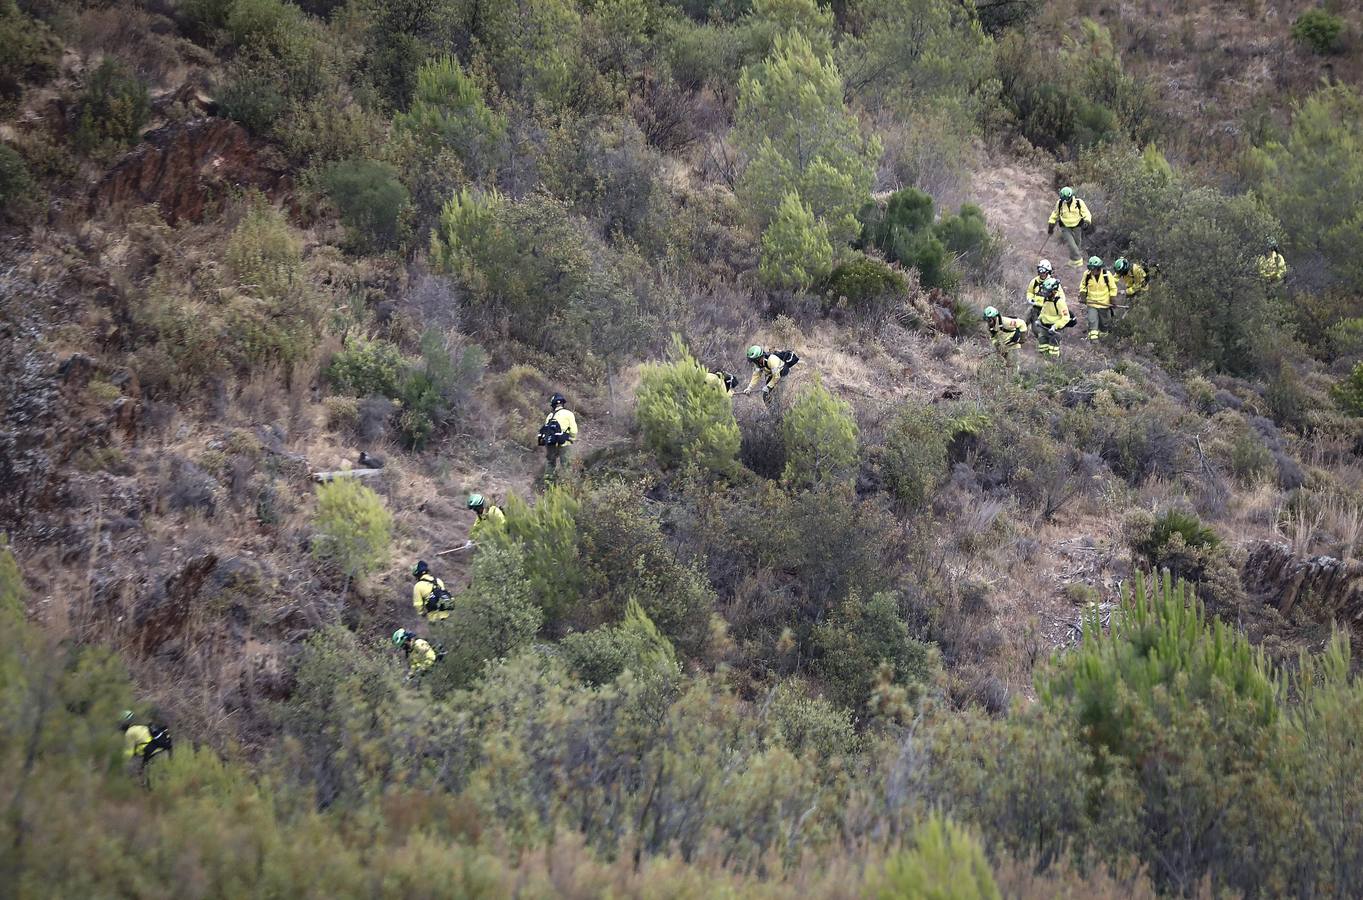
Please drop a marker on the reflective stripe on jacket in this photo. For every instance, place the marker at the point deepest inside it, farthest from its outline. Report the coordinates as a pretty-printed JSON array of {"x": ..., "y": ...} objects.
[
  {"x": 1008, "y": 331},
  {"x": 1055, "y": 312}
]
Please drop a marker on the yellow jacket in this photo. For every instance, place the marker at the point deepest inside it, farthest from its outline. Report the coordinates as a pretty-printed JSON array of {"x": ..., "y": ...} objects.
[
  {"x": 566, "y": 421},
  {"x": 768, "y": 367},
  {"x": 1034, "y": 290},
  {"x": 422, "y": 589},
  {"x": 1055, "y": 312},
  {"x": 717, "y": 381},
  {"x": 491, "y": 517},
  {"x": 135, "y": 740},
  {"x": 420, "y": 655},
  {"x": 1008, "y": 331},
  {"x": 1098, "y": 290},
  {"x": 1070, "y": 214},
  {"x": 1134, "y": 280},
  {"x": 1272, "y": 266}
]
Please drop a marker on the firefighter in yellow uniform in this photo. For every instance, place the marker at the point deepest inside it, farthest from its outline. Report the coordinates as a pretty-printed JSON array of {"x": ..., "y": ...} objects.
[
  {"x": 1272, "y": 265},
  {"x": 142, "y": 742},
  {"x": 420, "y": 654},
  {"x": 769, "y": 366},
  {"x": 1097, "y": 292},
  {"x": 1054, "y": 317},
  {"x": 489, "y": 515},
  {"x": 1131, "y": 278},
  {"x": 1006, "y": 333},
  {"x": 1073, "y": 217},
  {"x": 558, "y": 434},
  {"x": 722, "y": 380},
  {"x": 429, "y": 596},
  {"x": 1034, "y": 299}
]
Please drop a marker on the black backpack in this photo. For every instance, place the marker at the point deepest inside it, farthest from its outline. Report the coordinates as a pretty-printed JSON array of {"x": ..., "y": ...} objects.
[
  {"x": 160, "y": 741},
  {"x": 789, "y": 357},
  {"x": 551, "y": 434},
  {"x": 438, "y": 600}
]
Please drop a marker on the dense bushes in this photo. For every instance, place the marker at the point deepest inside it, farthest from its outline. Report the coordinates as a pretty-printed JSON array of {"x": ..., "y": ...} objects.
[
  {"x": 31, "y": 53},
  {"x": 372, "y": 200},
  {"x": 913, "y": 459},
  {"x": 685, "y": 419},
  {"x": 16, "y": 185},
  {"x": 1318, "y": 29},
  {"x": 905, "y": 232},
  {"x": 110, "y": 112},
  {"x": 821, "y": 441},
  {"x": 353, "y": 529},
  {"x": 860, "y": 637}
]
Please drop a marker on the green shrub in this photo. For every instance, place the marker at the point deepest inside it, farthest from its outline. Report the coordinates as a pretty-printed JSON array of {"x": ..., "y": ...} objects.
[
  {"x": 857, "y": 639},
  {"x": 1348, "y": 391},
  {"x": 801, "y": 139},
  {"x": 1318, "y": 29},
  {"x": 491, "y": 620},
  {"x": 944, "y": 863},
  {"x": 110, "y": 112},
  {"x": 1179, "y": 543},
  {"x": 821, "y": 440},
  {"x": 534, "y": 50},
  {"x": 805, "y": 724},
  {"x": 547, "y": 537},
  {"x": 17, "y": 188},
  {"x": 600, "y": 656},
  {"x": 967, "y": 237},
  {"x": 31, "y": 53},
  {"x": 372, "y": 200},
  {"x": 367, "y": 368},
  {"x": 913, "y": 460},
  {"x": 905, "y": 231},
  {"x": 435, "y": 389},
  {"x": 685, "y": 419},
  {"x": 352, "y": 530},
  {"x": 263, "y": 255},
  {"x": 864, "y": 284},
  {"x": 796, "y": 252}
]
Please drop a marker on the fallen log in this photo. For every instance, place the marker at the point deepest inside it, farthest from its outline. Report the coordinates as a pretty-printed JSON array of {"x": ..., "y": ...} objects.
[{"x": 321, "y": 477}]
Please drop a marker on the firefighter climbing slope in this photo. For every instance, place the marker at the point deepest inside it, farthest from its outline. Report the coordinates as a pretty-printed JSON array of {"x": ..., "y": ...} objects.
[
  {"x": 1006, "y": 333},
  {"x": 142, "y": 742},
  {"x": 557, "y": 434},
  {"x": 722, "y": 380},
  {"x": 769, "y": 367},
  {"x": 421, "y": 656},
  {"x": 489, "y": 515},
  {"x": 1054, "y": 318},
  {"x": 1034, "y": 298},
  {"x": 1098, "y": 291},
  {"x": 429, "y": 597},
  {"x": 1074, "y": 219}
]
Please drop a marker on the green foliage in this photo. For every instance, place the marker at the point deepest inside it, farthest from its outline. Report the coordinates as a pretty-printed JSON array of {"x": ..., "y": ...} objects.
[
  {"x": 805, "y": 724},
  {"x": 1318, "y": 29},
  {"x": 914, "y": 54},
  {"x": 945, "y": 863},
  {"x": 913, "y": 460},
  {"x": 17, "y": 187},
  {"x": 533, "y": 47},
  {"x": 858, "y": 638},
  {"x": 110, "y": 112},
  {"x": 684, "y": 418},
  {"x": 546, "y": 537},
  {"x": 864, "y": 284},
  {"x": 905, "y": 231},
  {"x": 534, "y": 272},
  {"x": 372, "y": 200},
  {"x": 600, "y": 656},
  {"x": 628, "y": 560},
  {"x": 1348, "y": 391},
  {"x": 799, "y": 137},
  {"x": 447, "y": 130},
  {"x": 493, "y": 619},
  {"x": 1322, "y": 218},
  {"x": 263, "y": 255},
  {"x": 31, "y": 53},
  {"x": 821, "y": 440},
  {"x": 796, "y": 252},
  {"x": 367, "y": 368},
  {"x": 353, "y": 530}
]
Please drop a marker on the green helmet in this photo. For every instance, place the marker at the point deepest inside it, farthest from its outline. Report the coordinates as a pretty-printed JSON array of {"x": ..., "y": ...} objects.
[
  {"x": 990, "y": 312},
  {"x": 1067, "y": 193},
  {"x": 1272, "y": 243},
  {"x": 125, "y": 721},
  {"x": 754, "y": 352},
  {"x": 1050, "y": 286},
  {"x": 1095, "y": 262},
  {"x": 399, "y": 636},
  {"x": 475, "y": 501},
  {"x": 1120, "y": 264}
]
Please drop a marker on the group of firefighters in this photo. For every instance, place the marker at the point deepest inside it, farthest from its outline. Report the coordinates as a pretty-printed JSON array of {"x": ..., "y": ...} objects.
[{"x": 1047, "y": 310}]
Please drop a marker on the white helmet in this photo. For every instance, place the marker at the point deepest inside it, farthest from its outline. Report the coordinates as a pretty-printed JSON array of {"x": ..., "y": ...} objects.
[{"x": 1044, "y": 267}]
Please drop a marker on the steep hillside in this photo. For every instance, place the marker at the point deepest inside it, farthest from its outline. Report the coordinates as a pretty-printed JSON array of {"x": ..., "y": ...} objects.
[{"x": 282, "y": 285}]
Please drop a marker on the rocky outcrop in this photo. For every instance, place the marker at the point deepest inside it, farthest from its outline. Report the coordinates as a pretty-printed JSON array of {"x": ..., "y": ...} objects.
[
  {"x": 184, "y": 167},
  {"x": 1321, "y": 586}
]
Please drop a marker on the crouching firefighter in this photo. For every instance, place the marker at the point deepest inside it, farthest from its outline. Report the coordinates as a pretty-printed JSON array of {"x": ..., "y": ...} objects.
[
  {"x": 142, "y": 742},
  {"x": 429, "y": 596},
  {"x": 1006, "y": 333},
  {"x": 769, "y": 366},
  {"x": 722, "y": 380},
  {"x": 421, "y": 656},
  {"x": 558, "y": 433}
]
